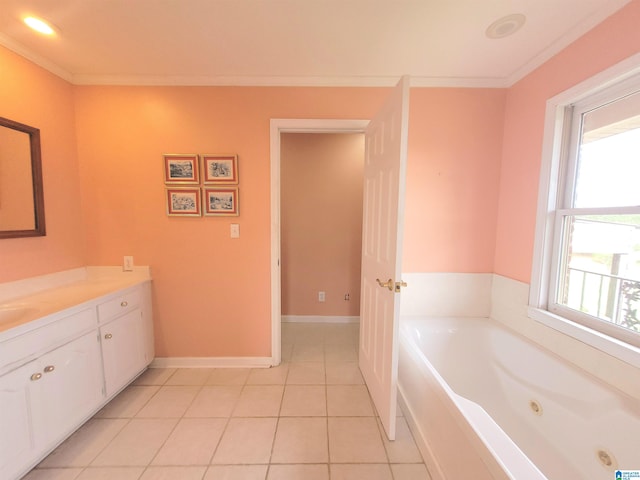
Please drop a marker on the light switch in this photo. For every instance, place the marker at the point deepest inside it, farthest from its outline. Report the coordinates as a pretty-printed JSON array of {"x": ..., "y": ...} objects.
[{"x": 235, "y": 230}]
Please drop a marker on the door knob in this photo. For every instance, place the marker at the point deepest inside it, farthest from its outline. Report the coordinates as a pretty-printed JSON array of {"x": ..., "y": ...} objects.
[
  {"x": 399, "y": 285},
  {"x": 388, "y": 284}
]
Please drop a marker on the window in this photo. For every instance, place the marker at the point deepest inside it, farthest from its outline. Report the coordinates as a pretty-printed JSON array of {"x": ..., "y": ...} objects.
[{"x": 586, "y": 279}]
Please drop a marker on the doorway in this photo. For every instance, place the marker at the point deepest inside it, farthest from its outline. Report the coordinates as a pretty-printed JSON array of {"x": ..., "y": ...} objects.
[
  {"x": 279, "y": 127},
  {"x": 321, "y": 192}
]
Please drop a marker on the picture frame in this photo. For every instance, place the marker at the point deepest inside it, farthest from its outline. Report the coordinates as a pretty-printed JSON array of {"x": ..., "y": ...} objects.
[
  {"x": 220, "y": 169},
  {"x": 181, "y": 169},
  {"x": 183, "y": 202},
  {"x": 220, "y": 201}
]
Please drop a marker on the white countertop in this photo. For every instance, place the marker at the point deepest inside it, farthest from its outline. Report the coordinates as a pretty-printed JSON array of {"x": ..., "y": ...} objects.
[{"x": 25, "y": 301}]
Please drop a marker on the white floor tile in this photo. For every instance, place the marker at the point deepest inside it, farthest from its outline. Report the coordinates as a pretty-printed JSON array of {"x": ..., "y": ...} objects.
[
  {"x": 360, "y": 471},
  {"x": 298, "y": 472},
  {"x": 214, "y": 401},
  {"x": 192, "y": 442},
  {"x": 355, "y": 440},
  {"x": 111, "y": 473},
  {"x": 269, "y": 376},
  {"x": 173, "y": 473},
  {"x": 308, "y": 353},
  {"x": 246, "y": 441},
  {"x": 189, "y": 376},
  {"x": 85, "y": 444},
  {"x": 137, "y": 443},
  {"x": 228, "y": 376},
  {"x": 259, "y": 401},
  {"x": 410, "y": 472},
  {"x": 301, "y": 440},
  {"x": 344, "y": 373},
  {"x": 304, "y": 401},
  {"x": 236, "y": 472},
  {"x": 310, "y": 418},
  {"x": 306, "y": 373},
  {"x": 169, "y": 402},
  {"x": 128, "y": 402},
  {"x": 53, "y": 474},
  {"x": 348, "y": 401},
  {"x": 154, "y": 376}
]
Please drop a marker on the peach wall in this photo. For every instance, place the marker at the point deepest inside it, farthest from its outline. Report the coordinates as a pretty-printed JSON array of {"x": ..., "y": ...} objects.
[
  {"x": 212, "y": 293},
  {"x": 453, "y": 174},
  {"x": 33, "y": 96},
  {"x": 321, "y": 222},
  {"x": 608, "y": 43}
]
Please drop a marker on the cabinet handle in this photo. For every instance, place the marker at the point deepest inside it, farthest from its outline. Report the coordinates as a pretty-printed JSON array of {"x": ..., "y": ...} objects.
[
  {"x": 49, "y": 368},
  {"x": 108, "y": 336},
  {"x": 124, "y": 303},
  {"x": 36, "y": 376}
]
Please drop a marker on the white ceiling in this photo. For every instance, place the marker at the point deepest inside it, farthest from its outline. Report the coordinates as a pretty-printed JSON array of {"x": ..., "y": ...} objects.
[{"x": 295, "y": 42}]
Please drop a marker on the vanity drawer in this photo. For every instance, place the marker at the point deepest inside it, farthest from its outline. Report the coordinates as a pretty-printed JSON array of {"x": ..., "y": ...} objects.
[
  {"x": 46, "y": 338},
  {"x": 118, "y": 305}
]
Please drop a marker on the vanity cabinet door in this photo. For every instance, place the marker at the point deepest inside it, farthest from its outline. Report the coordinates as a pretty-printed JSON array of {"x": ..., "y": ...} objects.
[
  {"x": 17, "y": 436},
  {"x": 44, "y": 400},
  {"x": 123, "y": 350},
  {"x": 71, "y": 387}
]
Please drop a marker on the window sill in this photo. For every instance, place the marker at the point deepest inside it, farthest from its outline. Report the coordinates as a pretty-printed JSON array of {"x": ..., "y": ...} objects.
[{"x": 611, "y": 346}]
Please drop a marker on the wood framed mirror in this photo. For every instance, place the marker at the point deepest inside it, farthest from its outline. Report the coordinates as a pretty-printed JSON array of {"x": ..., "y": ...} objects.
[{"x": 21, "y": 193}]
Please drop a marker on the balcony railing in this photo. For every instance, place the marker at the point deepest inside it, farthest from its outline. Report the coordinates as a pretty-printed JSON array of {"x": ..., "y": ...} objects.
[{"x": 609, "y": 297}]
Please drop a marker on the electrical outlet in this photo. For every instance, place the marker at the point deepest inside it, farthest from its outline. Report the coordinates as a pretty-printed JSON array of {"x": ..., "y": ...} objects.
[
  {"x": 127, "y": 264},
  {"x": 321, "y": 296},
  {"x": 347, "y": 297}
]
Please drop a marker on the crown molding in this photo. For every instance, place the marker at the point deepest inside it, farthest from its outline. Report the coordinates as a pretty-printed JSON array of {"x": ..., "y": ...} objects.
[{"x": 23, "y": 51}]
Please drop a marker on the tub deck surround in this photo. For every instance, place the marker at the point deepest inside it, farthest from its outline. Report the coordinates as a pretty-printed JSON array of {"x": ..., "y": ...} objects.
[
  {"x": 509, "y": 306},
  {"x": 499, "y": 406},
  {"x": 447, "y": 294},
  {"x": 30, "y": 303}
]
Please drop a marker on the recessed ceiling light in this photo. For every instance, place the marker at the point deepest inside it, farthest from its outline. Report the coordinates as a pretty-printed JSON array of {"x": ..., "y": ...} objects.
[
  {"x": 39, "y": 25},
  {"x": 505, "y": 26}
]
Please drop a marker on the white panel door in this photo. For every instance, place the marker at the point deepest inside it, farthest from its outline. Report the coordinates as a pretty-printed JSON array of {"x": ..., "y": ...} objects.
[{"x": 384, "y": 189}]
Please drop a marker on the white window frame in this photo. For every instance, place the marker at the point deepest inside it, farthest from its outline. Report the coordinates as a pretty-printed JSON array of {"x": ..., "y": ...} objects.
[{"x": 556, "y": 139}]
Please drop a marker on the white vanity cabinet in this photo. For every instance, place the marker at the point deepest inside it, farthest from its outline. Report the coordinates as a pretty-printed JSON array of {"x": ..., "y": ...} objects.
[
  {"x": 59, "y": 371},
  {"x": 44, "y": 400},
  {"x": 123, "y": 335}
]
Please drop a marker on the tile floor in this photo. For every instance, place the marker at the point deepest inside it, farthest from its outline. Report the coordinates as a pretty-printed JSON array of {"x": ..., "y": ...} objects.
[{"x": 310, "y": 418}]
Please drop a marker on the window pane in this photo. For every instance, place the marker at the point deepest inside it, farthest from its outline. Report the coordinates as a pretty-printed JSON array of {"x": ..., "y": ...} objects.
[
  {"x": 601, "y": 274},
  {"x": 609, "y": 156}
]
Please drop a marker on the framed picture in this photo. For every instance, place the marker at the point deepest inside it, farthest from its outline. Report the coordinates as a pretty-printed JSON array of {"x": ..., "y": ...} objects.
[
  {"x": 220, "y": 201},
  {"x": 181, "y": 169},
  {"x": 183, "y": 202},
  {"x": 220, "y": 169}
]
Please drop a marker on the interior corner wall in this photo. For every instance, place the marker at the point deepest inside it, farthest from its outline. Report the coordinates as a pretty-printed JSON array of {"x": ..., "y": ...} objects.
[
  {"x": 36, "y": 97},
  {"x": 610, "y": 42},
  {"x": 321, "y": 222}
]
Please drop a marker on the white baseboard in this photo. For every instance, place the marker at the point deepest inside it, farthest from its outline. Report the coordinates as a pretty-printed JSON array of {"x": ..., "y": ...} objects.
[
  {"x": 319, "y": 319},
  {"x": 211, "y": 362}
]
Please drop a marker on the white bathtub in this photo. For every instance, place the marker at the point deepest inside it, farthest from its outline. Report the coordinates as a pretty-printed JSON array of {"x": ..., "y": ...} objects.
[{"x": 486, "y": 403}]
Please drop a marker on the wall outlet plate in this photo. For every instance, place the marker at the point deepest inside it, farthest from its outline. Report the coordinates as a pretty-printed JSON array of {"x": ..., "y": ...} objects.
[{"x": 127, "y": 264}]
